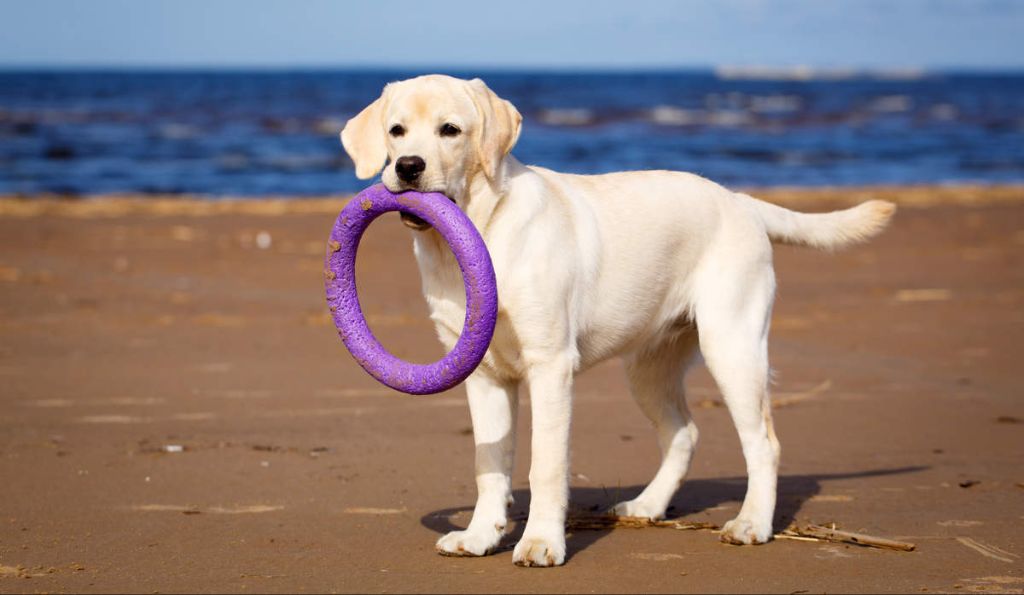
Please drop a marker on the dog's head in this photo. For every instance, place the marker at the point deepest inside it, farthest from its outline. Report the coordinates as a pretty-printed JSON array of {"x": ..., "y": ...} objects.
[{"x": 433, "y": 134}]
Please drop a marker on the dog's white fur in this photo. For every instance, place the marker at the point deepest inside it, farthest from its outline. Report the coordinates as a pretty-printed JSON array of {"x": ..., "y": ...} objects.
[{"x": 651, "y": 266}]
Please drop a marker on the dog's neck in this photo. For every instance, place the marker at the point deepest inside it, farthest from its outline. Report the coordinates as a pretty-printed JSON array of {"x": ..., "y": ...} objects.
[{"x": 484, "y": 195}]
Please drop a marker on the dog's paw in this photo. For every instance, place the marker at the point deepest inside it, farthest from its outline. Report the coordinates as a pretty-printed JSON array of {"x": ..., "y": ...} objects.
[
  {"x": 638, "y": 508},
  {"x": 741, "y": 531},
  {"x": 469, "y": 543},
  {"x": 539, "y": 550}
]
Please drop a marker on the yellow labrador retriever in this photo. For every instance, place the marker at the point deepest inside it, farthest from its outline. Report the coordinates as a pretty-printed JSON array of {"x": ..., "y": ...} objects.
[{"x": 652, "y": 266}]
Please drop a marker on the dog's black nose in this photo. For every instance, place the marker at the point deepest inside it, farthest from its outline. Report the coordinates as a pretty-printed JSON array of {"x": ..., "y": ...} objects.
[{"x": 409, "y": 168}]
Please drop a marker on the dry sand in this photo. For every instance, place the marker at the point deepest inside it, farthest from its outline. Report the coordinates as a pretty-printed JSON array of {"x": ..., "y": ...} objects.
[{"x": 177, "y": 414}]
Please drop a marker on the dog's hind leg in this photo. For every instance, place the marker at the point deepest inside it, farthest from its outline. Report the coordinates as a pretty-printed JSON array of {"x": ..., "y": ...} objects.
[
  {"x": 492, "y": 405},
  {"x": 656, "y": 381},
  {"x": 733, "y": 313}
]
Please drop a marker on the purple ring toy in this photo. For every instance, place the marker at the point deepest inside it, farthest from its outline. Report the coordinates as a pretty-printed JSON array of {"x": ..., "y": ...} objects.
[{"x": 477, "y": 273}]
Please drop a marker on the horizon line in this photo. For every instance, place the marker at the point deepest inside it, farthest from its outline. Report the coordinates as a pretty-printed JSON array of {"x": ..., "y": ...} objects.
[{"x": 727, "y": 70}]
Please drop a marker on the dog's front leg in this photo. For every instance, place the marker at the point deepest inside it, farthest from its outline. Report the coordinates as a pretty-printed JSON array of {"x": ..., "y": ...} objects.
[
  {"x": 492, "y": 405},
  {"x": 543, "y": 541}
]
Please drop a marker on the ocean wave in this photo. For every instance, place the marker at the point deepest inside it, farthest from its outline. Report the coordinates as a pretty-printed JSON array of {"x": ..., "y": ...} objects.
[
  {"x": 889, "y": 104},
  {"x": 566, "y": 117},
  {"x": 775, "y": 104},
  {"x": 944, "y": 112},
  {"x": 810, "y": 73},
  {"x": 177, "y": 131},
  {"x": 329, "y": 126},
  {"x": 661, "y": 115},
  {"x": 667, "y": 115}
]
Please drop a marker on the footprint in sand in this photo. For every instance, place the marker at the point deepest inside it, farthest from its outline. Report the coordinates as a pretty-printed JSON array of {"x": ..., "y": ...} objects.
[
  {"x": 923, "y": 295},
  {"x": 655, "y": 557},
  {"x": 216, "y": 319},
  {"x": 113, "y": 419},
  {"x": 239, "y": 509},
  {"x": 993, "y": 584},
  {"x": 989, "y": 551},
  {"x": 9, "y": 274},
  {"x": 959, "y": 523}
]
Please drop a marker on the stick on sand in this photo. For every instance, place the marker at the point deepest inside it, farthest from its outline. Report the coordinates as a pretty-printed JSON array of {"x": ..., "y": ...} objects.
[
  {"x": 600, "y": 522},
  {"x": 836, "y": 535},
  {"x": 794, "y": 532}
]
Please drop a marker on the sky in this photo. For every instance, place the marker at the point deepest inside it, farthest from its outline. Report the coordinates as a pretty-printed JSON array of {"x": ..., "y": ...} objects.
[{"x": 554, "y": 34}]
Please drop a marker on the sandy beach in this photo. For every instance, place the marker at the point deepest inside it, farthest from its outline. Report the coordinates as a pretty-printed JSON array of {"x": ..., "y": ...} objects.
[{"x": 178, "y": 414}]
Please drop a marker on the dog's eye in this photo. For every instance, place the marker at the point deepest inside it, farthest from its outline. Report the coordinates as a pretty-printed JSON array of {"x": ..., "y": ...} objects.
[
  {"x": 397, "y": 130},
  {"x": 449, "y": 130}
]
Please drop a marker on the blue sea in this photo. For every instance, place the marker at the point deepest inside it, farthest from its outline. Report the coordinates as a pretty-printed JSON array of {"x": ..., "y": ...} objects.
[{"x": 255, "y": 133}]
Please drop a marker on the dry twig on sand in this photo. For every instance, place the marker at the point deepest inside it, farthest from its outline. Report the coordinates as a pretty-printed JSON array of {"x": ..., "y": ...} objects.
[
  {"x": 600, "y": 522},
  {"x": 815, "y": 533},
  {"x": 787, "y": 399},
  {"x": 832, "y": 534}
]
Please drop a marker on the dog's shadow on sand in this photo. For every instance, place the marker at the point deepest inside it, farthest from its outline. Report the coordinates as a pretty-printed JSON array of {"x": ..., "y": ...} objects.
[{"x": 696, "y": 496}]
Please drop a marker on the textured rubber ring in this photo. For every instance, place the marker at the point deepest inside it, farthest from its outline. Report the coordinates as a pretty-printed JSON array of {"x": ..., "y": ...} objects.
[{"x": 477, "y": 273}]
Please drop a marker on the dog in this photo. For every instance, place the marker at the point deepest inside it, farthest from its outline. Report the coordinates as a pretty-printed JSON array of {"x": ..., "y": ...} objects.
[{"x": 656, "y": 267}]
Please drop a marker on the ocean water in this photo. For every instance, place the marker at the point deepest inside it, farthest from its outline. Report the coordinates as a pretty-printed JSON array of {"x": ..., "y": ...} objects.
[{"x": 276, "y": 133}]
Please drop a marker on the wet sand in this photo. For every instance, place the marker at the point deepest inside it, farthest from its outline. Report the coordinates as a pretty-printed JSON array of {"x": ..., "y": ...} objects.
[{"x": 177, "y": 414}]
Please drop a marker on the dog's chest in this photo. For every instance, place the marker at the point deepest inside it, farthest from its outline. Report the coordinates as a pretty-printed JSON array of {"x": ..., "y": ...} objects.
[{"x": 446, "y": 300}]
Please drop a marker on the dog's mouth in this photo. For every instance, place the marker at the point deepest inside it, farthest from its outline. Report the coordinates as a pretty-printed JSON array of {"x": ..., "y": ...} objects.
[{"x": 413, "y": 222}]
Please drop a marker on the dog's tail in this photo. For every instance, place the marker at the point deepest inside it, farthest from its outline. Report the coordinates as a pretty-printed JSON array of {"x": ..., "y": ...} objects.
[{"x": 825, "y": 231}]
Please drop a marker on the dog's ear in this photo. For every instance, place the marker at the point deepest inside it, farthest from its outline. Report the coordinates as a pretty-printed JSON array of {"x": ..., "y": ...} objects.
[
  {"x": 499, "y": 127},
  {"x": 364, "y": 141}
]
